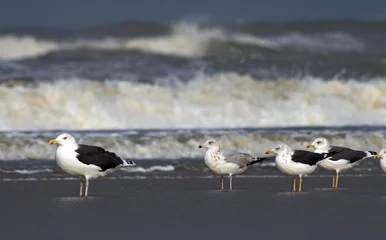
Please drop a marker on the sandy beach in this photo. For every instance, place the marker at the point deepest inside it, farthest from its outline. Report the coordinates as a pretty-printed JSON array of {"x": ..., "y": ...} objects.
[{"x": 259, "y": 208}]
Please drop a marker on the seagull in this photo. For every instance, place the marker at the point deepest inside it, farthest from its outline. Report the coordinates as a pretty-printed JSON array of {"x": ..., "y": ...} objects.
[
  {"x": 344, "y": 159},
  {"x": 296, "y": 163},
  {"x": 227, "y": 162},
  {"x": 382, "y": 156},
  {"x": 84, "y": 161}
]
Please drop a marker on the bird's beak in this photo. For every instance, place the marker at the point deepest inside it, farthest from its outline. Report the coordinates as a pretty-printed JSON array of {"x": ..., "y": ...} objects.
[
  {"x": 199, "y": 146},
  {"x": 309, "y": 146},
  {"x": 268, "y": 152},
  {"x": 377, "y": 156},
  {"x": 53, "y": 141}
]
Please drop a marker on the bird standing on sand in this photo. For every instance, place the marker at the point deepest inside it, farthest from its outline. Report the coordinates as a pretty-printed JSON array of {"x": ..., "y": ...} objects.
[
  {"x": 382, "y": 156},
  {"x": 296, "y": 163},
  {"x": 84, "y": 161},
  {"x": 227, "y": 162},
  {"x": 344, "y": 159}
]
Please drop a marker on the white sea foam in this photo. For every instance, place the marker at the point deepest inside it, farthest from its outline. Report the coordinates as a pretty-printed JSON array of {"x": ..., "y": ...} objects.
[
  {"x": 14, "y": 48},
  {"x": 167, "y": 168},
  {"x": 26, "y": 171},
  {"x": 185, "y": 40},
  {"x": 219, "y": 101},
  {"x": 184, "y": 146}
]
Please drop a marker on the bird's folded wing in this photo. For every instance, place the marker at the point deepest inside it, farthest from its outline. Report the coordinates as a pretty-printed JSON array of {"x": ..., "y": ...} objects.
[
  {"x": 98, "y": 156},
  {"x": 347, "y": 154},
  {"x": 239, "y": 158}
]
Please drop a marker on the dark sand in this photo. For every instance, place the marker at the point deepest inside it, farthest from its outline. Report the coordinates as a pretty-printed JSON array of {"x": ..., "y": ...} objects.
[{"x": 259, "y": 208}]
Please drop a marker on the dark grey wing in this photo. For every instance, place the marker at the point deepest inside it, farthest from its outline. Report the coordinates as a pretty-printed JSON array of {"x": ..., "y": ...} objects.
[
  {"x": 309, "y": 158},
  {"x": 239, "y": 158},
  {"x": 98, "y": 156},
  {"x": 337, "y": 149},
  {"x": 347, "y": 154}
]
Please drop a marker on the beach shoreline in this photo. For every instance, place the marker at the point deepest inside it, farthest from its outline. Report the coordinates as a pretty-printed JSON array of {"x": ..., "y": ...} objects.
[{"x": 193, "y": 208}]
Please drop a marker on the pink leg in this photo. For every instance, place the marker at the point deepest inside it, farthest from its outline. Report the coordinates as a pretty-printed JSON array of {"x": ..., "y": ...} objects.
[
  {"x": 222, "y": 182},
  {"x": 81, "y": 187},
  {"x": 86, "y": 192}
]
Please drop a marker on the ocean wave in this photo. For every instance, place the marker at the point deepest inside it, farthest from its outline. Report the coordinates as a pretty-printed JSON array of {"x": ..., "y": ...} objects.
[
  {"x": 185, "y": 40},
  {"x": 184, "y": 144},
  {"x": 167, "y": 168},
  {"x": 331, "y": 41},
  {"x": 115, "y": 104},
  {"x": 27, "y": 171},
  {"x": 207, "y": 101},
  {"x": 20, "y": 47}
]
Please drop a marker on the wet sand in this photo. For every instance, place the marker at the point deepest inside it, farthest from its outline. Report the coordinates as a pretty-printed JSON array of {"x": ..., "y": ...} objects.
[{"x": 258, "y": 208}]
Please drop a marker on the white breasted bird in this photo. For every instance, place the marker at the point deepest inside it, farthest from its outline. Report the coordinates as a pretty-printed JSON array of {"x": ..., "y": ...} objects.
[
  {"x": 227, "y": 162},
  {"x": 296, "y": 162},
  {"x": 84, "y": 161},
  {"x": 382, "y": 156},
  {"x": 345, "y": 158}
]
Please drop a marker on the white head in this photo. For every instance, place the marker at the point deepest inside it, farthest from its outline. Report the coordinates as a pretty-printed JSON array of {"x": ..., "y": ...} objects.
[
  {"x": 63, "y": 140},
  {"x": 210, "y": 144},
  {"x": 281, "y": 149},
  {"x": 381, "y": 154},
  {"x": 319, "y": 144}
]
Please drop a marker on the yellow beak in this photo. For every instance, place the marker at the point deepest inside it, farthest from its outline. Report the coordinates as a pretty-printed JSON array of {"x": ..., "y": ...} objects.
[
  {"x": 309, "y": 146},
  {"x": 53, "y": 141},
  {"x": 378, "y": 156},
  {"x": 268, "y": 152}
]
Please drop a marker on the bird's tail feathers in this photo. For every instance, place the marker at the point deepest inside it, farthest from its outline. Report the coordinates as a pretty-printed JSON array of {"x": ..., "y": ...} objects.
[
  {"x": 127, "y": 163},
  {"x": 370, "y": 153},
  {"x": 257, "y": 160}
]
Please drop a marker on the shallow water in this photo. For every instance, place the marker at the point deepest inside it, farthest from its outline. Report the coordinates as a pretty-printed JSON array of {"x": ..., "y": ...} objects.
[{"x": 175, "y": 153}]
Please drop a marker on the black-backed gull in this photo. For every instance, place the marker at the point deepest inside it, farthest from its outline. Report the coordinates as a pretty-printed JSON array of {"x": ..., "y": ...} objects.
[
  {"x": 85, "y": 161},
  {"x": 296, "y": 162},
  {"x": 344, "y": 159}
]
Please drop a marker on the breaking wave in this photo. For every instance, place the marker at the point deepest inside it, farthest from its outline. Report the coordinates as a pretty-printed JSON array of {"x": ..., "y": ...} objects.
[
  {"x": 184, "y": 40},
  {"x": 224, "y": 100},
  {"x": 183, "y": 144}
]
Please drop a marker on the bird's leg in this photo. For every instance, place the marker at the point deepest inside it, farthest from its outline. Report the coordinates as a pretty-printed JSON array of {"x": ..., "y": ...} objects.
[
  {"x": 300, "y": 183},
  {"x": 81, "y": 187},
  {"x": 333, "y": 181},
  {"x": 86, "y": 192},
  {"x": 222, "y": 182},
  {"x": 294, "y": 185},
  {"x": 336, "y": 179},
  {"x": 230, "y": 181}
]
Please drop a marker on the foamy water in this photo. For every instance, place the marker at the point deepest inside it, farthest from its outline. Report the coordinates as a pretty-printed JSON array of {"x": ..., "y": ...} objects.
[
  {"x": 184, "y": 144},
  {"x": 185, "y": 40},
  {"x": 218, "y": 101}
]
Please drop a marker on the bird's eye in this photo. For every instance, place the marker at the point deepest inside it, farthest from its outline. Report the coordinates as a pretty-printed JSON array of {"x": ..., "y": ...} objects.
[
  {"x": 278, "y": 148},
  {"x": 318, "y": 142},
  {"x": 64, "y": 138},
  {"x": 211, "y": 142}
]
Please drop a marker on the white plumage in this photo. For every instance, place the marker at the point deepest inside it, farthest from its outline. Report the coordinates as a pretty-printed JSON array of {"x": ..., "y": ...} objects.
[
  {"x": 225, "y": 161},
  {"x": 295, "y": 163},
  {"x": 84, "y": 161},
  {"x": 343, "y": 159},
  {"x": 382, "y": 156}
]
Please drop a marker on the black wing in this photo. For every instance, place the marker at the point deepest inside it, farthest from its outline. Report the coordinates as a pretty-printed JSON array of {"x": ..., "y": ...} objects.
[
  {"x": 347, "y": 154},
  {"x": 98, "y": 156},
  {"x": 309, "y": 158}
]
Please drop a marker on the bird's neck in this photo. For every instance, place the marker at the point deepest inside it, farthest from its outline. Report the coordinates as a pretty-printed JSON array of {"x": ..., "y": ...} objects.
[
  {"x": 287, "y": 153},
  {"x": 72, "y": 147},
  {"x": 214, "y": 150},
  {"x": 322, "y": 150}
]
